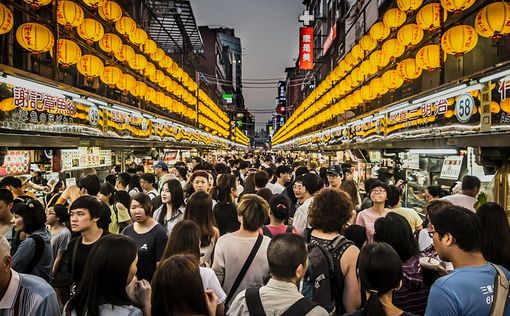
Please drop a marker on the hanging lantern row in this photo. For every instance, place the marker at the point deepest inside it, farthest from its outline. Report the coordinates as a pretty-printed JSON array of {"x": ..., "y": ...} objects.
[{"x": 492, "y": 21}]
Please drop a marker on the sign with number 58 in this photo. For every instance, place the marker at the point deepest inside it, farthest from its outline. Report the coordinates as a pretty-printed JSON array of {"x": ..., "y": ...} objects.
[{"x": 464, "y": 107}]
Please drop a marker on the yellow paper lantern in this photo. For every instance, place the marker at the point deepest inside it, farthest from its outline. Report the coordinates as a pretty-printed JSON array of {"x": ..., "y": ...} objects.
[
  {"x": 139, "y": 89},
  {"x": 126, "y": 83},
  {"x": 125, "y": 53},
  {"x": 394, "y": 18},
  {"x": 68, "y": 52},
  {"x": 410, "y": 35},
  {"x": 137, "y": 62},
  {"x": 367, "y": 68},
  {"x": 457, "y": 6},
  {"x": 459, "y": 40},
  {"x": 379, "y": 31},
  {"x": 35, "y": 38},
  {"x": 158, "y": 55},
  {"x": 157, "y": 77},
  {"x": 449, "y": 114},
  {"x": 505, "y": 105},
  {"x": 149, "y": 70},
  {"x": 150, "y": 94},
  {"x": 69, "y": 14},
  {"x": 138, "y": 37},
  {"x": 429, "y": 57},
  {"x": 492, "y": 21},
  {"x": 367, "y": 93},
  {"x": 36, "y": 4},
  {"x": 393, "y": 48},
  {"x": 125, "y": 25},
  {"x": 379, "y": 59},
  {"x": 367, "y": 43},
  {"x": 392, "y": 80},
  {"x": 357, "y": 98},
  {"x": 110, "y": 11},
  {"x": 357, "y": 52},
  {"x": 160, "y": 98},
  {"x": 429, "y": 17},
  {"x": 90, "y": 30},
  {"x": 110, "y": 43},
  {"x": 378, "y": 86},
  {"x": 94, "y": 4},
  {"x": 149, "y": 46},
  {"x": 409, "y": 5},
  {"x": 408, "y": 69},
  {"x": 110, "y": 76},
  {"x": 356, "y": 76},
  {"x": 6, "y": 19},
  {"x": 350, "y": 60},
  {"x": 165, "y": 62},
  {"x": 90, "y": 66}
]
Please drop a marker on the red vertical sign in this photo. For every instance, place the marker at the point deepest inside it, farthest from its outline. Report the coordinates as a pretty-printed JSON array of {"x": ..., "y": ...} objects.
[{"x": 305, "y": 48}]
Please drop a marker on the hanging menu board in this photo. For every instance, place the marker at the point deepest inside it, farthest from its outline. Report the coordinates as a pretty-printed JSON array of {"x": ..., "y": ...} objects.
[
  {"x": 85, "y": 157},
  {"x": 16, "y": 162}
]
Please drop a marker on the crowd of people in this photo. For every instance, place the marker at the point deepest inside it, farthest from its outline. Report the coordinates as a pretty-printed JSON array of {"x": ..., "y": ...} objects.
[{"x": 249, "y": 236}]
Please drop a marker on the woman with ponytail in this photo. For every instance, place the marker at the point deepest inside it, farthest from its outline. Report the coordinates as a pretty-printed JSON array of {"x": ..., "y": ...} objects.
[
  {"x": 380, "y": 273},
  {"x": 225, "y": 213},
  {"x": 279, "y": 209}
]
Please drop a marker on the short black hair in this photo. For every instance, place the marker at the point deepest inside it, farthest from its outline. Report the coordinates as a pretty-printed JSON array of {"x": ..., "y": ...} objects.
[
  {"x": 197, "y": 159},
  {"x": 11, "y": 181},
  {"x": 90, "y": 203},
  {"x": 381, "y": 184},
  {"x": 393, "y": 196},
  {"x": 311, "y": 182},
  {"x": 61, "y": 213},
  {"x": 284, "y": 254},
  {"x": 470, "y": 183},
  {"x": 6, "y": 196},
  {"x": 261, "y": 178},
  {"x": 282, "y": 169},
  {"x": 32, "y": 212},
  {"x": 111, "y": 178},
  {"x": 369, "y": 183},
  {"x": 124, "y": 178},
  {"x": 301, "y": 170},
  {"x": 243, "y": 164},
  {"x": 435, "y": 191},
  {"x": 463, "y": 224},
  {"x": 149, "y": 177},
  {"x": 91, "y": 183},
  {"x": 139, "y": 168},
  {"x": 222, "y": 168}
]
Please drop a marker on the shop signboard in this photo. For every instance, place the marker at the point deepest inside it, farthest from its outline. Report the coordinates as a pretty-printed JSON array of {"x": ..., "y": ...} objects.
[
  {"x": 16, "y": 162},
  {"x": 85, "y": 157},
  {"x": 451, "y": 167},
  {"x": 127, "y": 125},
  {"x": 411, "y": 161},
  {"x": 306, "y": 56}
]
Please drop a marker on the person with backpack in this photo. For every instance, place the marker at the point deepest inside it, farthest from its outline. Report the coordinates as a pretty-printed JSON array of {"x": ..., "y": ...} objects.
[
  {"x": 331, "y": 277},
  {"x": 279, "y": 208},
  {"x": 287, "y": 257},
  {"x": 119, "y": 215},
  {"x": 34, "y": 254}
]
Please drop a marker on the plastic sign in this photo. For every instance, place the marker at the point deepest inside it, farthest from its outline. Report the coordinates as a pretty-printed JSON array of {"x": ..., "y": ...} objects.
[
  {"x": 464, "y": 107},
  {"x": 306, "y": 48}
]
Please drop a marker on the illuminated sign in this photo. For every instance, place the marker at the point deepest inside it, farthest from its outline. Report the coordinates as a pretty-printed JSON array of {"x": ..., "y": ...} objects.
[
  {"x": 329, "y": 40},
  {"x": 306, "y": 48}
]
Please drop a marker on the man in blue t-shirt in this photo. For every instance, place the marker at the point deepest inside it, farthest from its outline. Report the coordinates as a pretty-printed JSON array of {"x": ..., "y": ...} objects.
[{"x": 469, "y": 289}]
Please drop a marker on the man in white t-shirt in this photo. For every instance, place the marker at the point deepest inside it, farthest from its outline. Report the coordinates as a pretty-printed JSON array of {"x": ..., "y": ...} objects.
[
  {"x": 308, "y": 184},
  {"x": 147, "y": 182},
  {"x": 283, "y": 176},
  {"x": 467, "y": 195}
]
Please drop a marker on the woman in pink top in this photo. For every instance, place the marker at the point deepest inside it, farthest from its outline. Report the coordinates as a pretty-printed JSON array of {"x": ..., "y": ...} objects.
[
  {"x": 379, "y": 196},
  {"x": 279, "y": 207}
]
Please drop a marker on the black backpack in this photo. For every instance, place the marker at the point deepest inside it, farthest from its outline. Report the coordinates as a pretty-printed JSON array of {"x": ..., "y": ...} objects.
[
  {"x": 324, "y": 281},
  {"x": 255, "y": 308},
  {"x": 267, "y": 232},
  {"x": 38, "y": 252}
]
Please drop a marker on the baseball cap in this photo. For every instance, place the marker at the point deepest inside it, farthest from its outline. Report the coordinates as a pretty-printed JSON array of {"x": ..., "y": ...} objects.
[
  {"x": 160, "y": 164},
  {"x": 335, "y": 170}
]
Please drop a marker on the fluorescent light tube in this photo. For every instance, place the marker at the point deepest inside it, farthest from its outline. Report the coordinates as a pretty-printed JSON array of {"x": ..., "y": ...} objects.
[
  {"x": 495, "y": 76},
  {"x": 434, "y": 151}
]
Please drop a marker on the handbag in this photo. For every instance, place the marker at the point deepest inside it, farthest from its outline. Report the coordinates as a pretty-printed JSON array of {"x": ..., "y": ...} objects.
[{"x": 500, "y": 292}]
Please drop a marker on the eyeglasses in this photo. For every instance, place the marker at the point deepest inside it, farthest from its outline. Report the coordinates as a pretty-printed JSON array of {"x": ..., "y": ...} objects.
[
  {"x": 431, "y": 234},
  {"x": 379, "y": 191}
]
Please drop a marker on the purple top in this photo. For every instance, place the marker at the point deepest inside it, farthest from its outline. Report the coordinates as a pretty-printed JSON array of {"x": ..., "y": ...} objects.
[{"x": 412, "y": 296}]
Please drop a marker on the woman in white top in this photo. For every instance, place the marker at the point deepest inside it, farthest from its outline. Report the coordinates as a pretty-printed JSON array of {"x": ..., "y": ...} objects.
[
  {"x": 172, "y": 210},
  {"x": 109, "y": 286},
  {"x": 199, "y": 210}
]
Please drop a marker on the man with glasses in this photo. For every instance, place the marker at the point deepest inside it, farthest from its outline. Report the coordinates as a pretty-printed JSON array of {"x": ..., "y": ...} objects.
[
  {"x": 335, "y": 175},
  {"x": 304, "y": 188}
]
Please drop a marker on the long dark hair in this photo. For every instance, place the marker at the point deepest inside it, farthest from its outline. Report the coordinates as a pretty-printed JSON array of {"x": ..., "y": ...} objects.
[
  {"x": 395, "y": 230},
  {"x": 495, "y": 234},
  {"x": 176, "y": 198},
  {"x": 108, "y": 189},
  {"x": 199, "y": 210},
  {"x": 105, "y": 276},
  {"x": 184, "y": 239},
  {"x": 379, "y": 271},
  {"x": 32, "y": 212},
  {"x": 224, "y": 185},
  {"x": 168, "y": 281}
]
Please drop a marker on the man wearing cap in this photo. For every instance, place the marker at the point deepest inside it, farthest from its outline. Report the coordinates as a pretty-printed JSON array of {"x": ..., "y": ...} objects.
[
  {"x": 160, "y": 171},
  {"x": 335, "y": 175}
]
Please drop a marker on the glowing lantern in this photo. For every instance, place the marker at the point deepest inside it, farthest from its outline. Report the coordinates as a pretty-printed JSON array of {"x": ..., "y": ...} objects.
[
  {"x": 393, "y": 48},
  {"x": 125, "y": 53},
  {"x": 367, "y": 68},
  {"x": 126, "y": 82},
  {"x": 138, "y": 37},
  {"x": 410, "y": 35},
  {"x": 429, "y": 57},
  {"x": 394, "y": 18},
  {"x": 125, "y": 25},
  {"x": 137, "y": 62},
  {"x": 367, "y": 93},
  {"x": 158, "y": 55},
  {"x": 379, "y": 59},
  {"x": 456, "y": 6},
  {"x": 356, "y": 76},
  {"x": 36, "y": 4},
  {"x": 111, "y": 75},
  {"x": 378, "y": 86},
  {"x": 35, "y": 38},
  {"x": 69, "y": 14},
  {"x": 90, "y": 30},
  {"x": 493, "y": 20},
  {"x": 459, "y": 39},
  {"x": 350, "y": 60},
  {"x": 110, "y": 11},
  {"x": 408, "y": 69},
  {"x": 68, "y": 52},
  {"x": 160, "y": 98},
  {"x": 149, "y": 70},
  {"x": 505, "y": 105},
  {"x": 379, "y": 31},
  {"x": 157, "y": 77},
  {"x": 90, "y": 66},
  {"x": 165, "y": 62},
  {"x": 409, "y": 5},
  {"x": 6, "y": 19},
  {"x": 367, "y": 43},
  {"x": 149, "y": 46},
  {"x": 429, "y": 17},
  {"x": 94, "y": 4},
  {"x": 150, "y": 94},
  {"x": 357, "y": 98},
  {"x": 110, "y": 43},
  {"x": 357, "y": 52},
  {"x": 392, "y": 80}
]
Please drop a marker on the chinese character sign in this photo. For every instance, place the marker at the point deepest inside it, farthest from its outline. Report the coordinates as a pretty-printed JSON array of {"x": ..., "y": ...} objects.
[{"x": 305, "y": 48}]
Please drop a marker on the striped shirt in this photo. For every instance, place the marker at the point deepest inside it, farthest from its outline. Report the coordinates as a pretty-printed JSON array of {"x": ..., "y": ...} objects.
[
  {"x": 412, "y": 296},
  {"x": 28, "y": 295}
]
